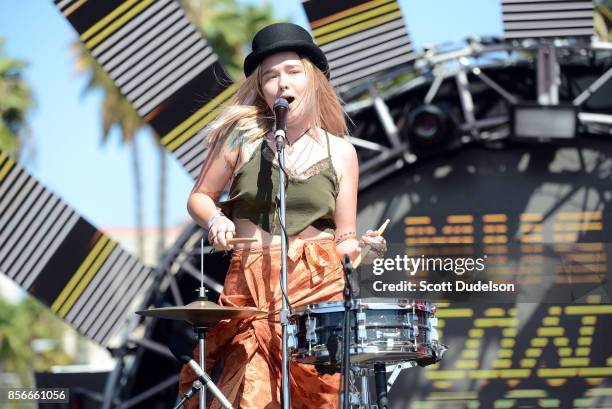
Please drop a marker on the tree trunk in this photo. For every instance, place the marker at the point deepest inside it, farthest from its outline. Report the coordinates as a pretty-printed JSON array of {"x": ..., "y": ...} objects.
[
  {"x": 138, "y": 209},
  {"x": 161, "y": 245}
]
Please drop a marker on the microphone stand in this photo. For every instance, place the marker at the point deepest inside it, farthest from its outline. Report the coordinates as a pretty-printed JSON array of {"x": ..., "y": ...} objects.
[
  {"x": 346, "y": 333},
  {"x": 284, "y": 312}
]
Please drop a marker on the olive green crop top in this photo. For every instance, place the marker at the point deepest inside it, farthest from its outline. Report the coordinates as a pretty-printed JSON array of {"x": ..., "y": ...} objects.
[{"x": 310, "y": 201}]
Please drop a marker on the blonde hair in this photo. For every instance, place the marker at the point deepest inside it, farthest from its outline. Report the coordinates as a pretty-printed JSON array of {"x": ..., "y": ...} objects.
[{"x": 249, "y": 118}]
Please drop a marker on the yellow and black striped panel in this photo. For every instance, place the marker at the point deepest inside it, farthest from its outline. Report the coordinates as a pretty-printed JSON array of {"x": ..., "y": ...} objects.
[
  {"x": 61, "y": 259},
  {"x": 159, "y": 62},
  {"x": 359, "y": 37},
  {"x": 185, "y": 141}
]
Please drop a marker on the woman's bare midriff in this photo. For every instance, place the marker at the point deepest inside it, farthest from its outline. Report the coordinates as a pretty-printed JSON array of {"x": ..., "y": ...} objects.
[{"x": 246, "y": 228}]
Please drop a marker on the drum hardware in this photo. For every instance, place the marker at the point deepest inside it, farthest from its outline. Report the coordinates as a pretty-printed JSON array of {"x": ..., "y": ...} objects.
[
  {"x": 395, "y": 371},
  {"x": 380, "y": 332},
  {"x": 197, "y": 385},
  {"x": 292, "y": 331},
  {"x": 201, "y": 314},
  {"x": 376, "y": 338},
  {"x": 380, "y": 379},
  {"x": 345, "y": 369},
  {"x": 359, "y": 397},
  {"x": 361, "y": 327}
]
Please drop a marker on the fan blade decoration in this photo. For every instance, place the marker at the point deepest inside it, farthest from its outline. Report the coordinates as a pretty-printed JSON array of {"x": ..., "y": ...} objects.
[
  {"x": 160, "y": 63},
  {"x": 62, "y": 259},
  {"x": 360, "y": 38}
]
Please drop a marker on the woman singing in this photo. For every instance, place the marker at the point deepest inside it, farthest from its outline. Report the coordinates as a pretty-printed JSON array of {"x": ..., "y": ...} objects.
[{"x": 321, "y": 201}]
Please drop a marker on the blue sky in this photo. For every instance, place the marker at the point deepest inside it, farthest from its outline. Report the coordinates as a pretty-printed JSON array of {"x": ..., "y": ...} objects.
[{"x": 96, "y": 179}]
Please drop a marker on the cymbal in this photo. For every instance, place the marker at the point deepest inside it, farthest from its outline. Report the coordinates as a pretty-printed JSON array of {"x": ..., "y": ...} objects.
[{"x": 200, "y": 312}]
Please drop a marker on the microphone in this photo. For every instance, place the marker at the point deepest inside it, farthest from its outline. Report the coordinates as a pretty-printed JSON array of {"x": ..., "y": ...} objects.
[
  {"x": 180, "y": 348},
  {"x": 281, "y": 107}
]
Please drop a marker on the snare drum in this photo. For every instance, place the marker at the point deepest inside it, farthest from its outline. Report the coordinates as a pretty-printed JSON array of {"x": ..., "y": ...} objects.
[{"x": 381, "y": 332}]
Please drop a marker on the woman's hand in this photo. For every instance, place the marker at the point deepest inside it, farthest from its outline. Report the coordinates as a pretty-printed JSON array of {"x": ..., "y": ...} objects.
[
  {"x": 220, "y": 231},
  {"x": 377, "y": 243}
]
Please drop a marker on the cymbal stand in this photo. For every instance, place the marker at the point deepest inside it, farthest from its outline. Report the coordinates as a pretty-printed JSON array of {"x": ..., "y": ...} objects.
[
  {"x": 200, "y": 330},
  {"x": 195, "y": 387},
  {"x": 201, "y": 334}
]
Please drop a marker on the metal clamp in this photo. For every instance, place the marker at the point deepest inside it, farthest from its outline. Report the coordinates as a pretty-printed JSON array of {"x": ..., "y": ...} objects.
[{"x": 361, "y": 326}]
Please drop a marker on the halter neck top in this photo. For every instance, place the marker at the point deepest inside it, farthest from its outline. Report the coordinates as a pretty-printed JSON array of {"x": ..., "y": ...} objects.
[{"x": 310, "y": 200}]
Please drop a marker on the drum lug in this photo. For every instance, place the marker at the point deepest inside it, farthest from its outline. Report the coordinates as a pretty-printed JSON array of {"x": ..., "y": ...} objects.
[
  {"x": 361, "y": 326},
  {"x": 311, "y": 333},
  {"x": 433, "y": 328},
  {"x": 292, "y": 331}
]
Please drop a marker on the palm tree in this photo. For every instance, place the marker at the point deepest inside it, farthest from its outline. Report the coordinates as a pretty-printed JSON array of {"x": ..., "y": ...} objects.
[
  {"x": 116, "y": 111},
  {"x": 15, "y": 102},
  {"x": 21, "y": 324},
  {"x": 603, "y": 20},
  {"x": 229, "y": 26}
]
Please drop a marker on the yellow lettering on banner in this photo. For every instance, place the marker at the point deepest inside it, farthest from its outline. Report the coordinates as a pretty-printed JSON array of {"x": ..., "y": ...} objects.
[
  {"x": 550, "y": 321},
  {"x": 551, "y": 332},
  {"x": 445, "y": 374},
  {"x": 412, "y": 220},
  {"x": 469, "y": 353},
  {"x": 539, "y": 342},
  {"x": 460, "y": 219},
  {"x": 531, "y": 217},
  {"x": 464, "y": 364},
  {"x": 502, "y": 363},
  {"x": 473, "y": 343},
  {"x": 454, "y": 312},
  {"x": 494, "y": 312},
  {"x": 494, "y": 218},
  {"x": 533, "y": 352},
  {"x": 496, "y": 322},
  {"x": 574, "y": 362},
  {"x": 527, "y": 363}
]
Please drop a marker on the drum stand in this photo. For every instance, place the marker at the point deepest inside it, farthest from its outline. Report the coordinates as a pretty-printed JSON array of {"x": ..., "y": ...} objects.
[
  {"x": 360, "y": 399},
  {"x": 201, "y": 334}
]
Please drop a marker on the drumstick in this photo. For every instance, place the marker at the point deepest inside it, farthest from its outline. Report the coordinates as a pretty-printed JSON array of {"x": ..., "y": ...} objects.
[
  {"x": 241, "y": 240},
  {"x": 367, "y": 247}
]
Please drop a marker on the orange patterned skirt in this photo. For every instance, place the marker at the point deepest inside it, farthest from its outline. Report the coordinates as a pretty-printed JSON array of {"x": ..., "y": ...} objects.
[{"x": 249, "y": 351}]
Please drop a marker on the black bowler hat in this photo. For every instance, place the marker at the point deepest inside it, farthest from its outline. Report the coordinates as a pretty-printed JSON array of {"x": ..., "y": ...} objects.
[{"x": 284, "y": 37}]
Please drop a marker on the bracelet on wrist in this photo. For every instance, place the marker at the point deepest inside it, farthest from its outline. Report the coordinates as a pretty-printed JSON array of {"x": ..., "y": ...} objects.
[{"x": 214, "y": 217}]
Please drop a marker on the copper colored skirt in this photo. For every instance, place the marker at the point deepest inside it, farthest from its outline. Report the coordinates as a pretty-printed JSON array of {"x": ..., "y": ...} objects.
[{"x": 249, "y": 351}]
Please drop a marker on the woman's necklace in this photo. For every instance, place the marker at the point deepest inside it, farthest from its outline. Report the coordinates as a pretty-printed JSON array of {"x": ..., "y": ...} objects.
[
  {"x": 297, "y": 160},
  {"x": 289, "y": 145}
]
